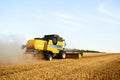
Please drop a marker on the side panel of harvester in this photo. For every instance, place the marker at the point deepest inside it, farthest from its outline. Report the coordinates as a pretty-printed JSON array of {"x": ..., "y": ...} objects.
[
  {"x": 55, "y": 48},
  {"x": 43, "y": 45},
  {"x": 40, "y": 45}
]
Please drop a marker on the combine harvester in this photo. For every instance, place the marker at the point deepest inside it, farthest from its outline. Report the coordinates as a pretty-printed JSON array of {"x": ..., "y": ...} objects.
[{"x": 50, "y": 46}]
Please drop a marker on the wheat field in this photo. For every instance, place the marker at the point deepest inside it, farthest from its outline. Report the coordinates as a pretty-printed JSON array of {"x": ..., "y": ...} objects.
[{"x": 90, "y": 67}]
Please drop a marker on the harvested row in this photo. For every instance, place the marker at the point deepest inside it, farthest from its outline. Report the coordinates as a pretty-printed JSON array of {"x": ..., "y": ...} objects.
[{"x": 89, "y": 68}]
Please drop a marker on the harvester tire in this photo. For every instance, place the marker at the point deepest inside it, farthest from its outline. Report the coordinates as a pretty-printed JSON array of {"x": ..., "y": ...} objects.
[
  {"x": 62, "y": 55},
  {"x": 49, "y": 57},
  {"x": 54, "y": 40},
  {"x": 81, "y": 53}
]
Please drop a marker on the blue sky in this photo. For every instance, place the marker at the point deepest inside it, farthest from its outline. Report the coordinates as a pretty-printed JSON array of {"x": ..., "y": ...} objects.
[{"x": 85, "y": 24}]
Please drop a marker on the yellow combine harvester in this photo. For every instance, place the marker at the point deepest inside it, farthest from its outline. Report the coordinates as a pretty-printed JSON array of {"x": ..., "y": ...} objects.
[{"x": 50, "y": 46}]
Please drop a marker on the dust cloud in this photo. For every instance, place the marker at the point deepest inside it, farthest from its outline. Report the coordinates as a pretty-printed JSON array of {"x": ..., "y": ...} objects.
[{"x": 10, "y": 50}]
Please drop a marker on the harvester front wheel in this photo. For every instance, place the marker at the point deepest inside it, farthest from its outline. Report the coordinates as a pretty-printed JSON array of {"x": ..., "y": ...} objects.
[
  {"x": 49, "y": 57},
  {"x": 62, "y": 55}
]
